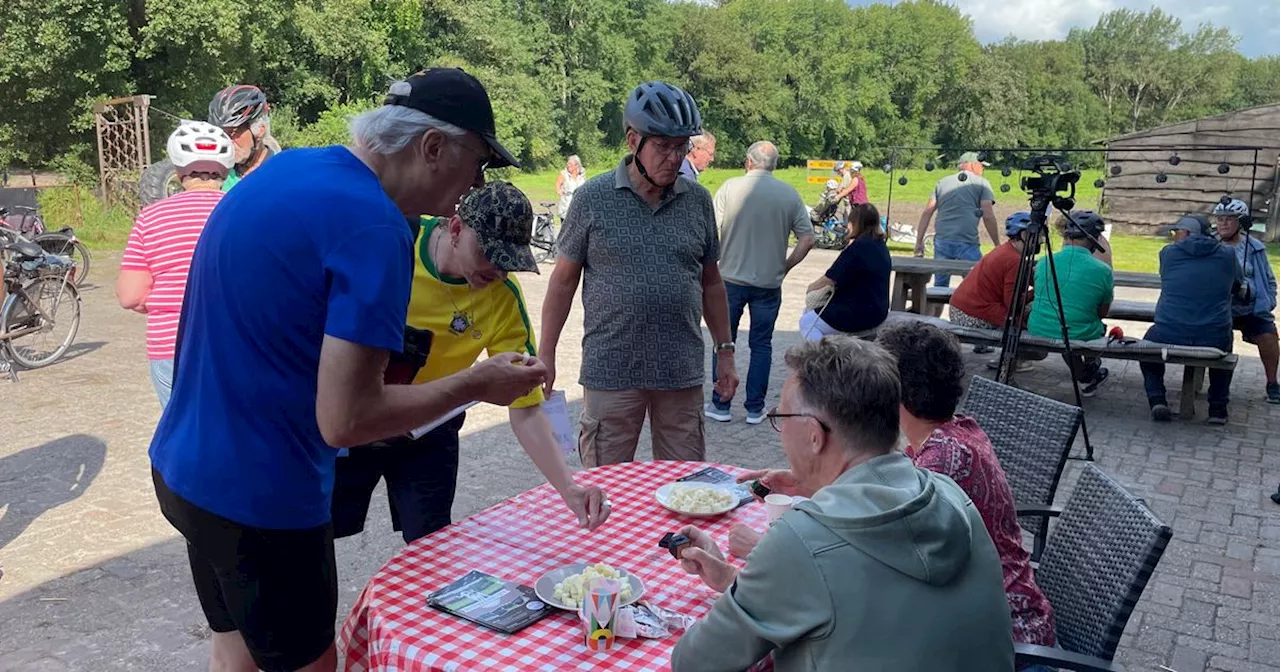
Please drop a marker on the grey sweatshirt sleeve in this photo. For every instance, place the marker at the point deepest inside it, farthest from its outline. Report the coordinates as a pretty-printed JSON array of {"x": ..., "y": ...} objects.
[{"x": 779, "y": 598}]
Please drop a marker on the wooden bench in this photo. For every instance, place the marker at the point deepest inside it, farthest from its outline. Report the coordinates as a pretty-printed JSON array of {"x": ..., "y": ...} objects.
[
  {"x": 1194, "y": 360},
  {"x": 912, "y": 276},
  {"x": 1121, "y": 309}
]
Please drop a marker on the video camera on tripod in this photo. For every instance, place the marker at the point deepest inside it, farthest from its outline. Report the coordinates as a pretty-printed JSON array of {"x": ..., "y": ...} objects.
[{"x": 1054, "y": 183}]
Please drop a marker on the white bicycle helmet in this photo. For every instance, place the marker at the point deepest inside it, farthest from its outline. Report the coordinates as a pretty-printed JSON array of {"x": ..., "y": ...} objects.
[
  {"x": 856, "y": 166},
  {"x": 1236, "y": 207},
  {"x": 198, "y": 146},
  {"x": 832, "y": 185}
]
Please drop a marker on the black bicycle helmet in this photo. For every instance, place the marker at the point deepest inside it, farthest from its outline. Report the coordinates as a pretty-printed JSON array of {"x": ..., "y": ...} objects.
[
  {"x": 658, "y": 108},
  {"x": 1086, "y": 222},
  {"x": 237, "y": 105}
]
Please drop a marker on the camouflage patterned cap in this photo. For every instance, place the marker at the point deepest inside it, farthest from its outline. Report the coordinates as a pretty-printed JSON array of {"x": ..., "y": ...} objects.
[{"x": 502, "y": 218}]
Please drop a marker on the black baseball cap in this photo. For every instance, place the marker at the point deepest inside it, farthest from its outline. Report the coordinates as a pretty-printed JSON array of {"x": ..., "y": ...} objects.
[{"x": 452, "y": 95}]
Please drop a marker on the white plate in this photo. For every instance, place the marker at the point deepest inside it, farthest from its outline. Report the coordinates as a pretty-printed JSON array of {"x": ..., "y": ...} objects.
[
  {"x": 666, "y": 492},
  {"x": 546, "y": 585}
]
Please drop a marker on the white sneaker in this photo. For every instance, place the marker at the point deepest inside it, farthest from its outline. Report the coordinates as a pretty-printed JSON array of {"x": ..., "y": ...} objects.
[
  {"x": 755, "y": 418},
  {"x": 716, "y": 414}
]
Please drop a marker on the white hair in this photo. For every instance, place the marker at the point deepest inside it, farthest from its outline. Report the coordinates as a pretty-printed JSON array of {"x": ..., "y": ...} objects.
[
  {"x": 571, "y": 159},
  {"x": 763, "y": 155},
  {"x": 390, "y": 128}
]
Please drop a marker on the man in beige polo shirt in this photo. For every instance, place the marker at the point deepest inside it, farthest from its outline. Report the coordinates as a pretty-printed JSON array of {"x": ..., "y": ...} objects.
[{"x": 757, "y": 213}]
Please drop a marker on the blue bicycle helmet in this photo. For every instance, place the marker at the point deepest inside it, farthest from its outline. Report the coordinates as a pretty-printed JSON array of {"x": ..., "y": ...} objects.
[
  {"x": 661, "y": 109},
  {"x": 1017, "y": 223}
]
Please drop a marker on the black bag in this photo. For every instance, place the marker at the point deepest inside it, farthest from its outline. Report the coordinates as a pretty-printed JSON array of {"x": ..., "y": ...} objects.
[{"x": 404, "y": 366}]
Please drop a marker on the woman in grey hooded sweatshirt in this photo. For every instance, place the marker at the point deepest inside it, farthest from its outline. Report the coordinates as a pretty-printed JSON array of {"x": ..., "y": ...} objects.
[{"x": 886, "y": 568}]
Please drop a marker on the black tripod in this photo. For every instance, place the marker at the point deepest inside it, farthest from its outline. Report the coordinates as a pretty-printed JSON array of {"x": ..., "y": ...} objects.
[{"x": 1044, "y": 192}]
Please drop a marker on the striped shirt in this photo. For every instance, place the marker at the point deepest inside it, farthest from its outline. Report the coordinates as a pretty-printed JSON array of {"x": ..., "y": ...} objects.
[{"x": 162, "y": 241}]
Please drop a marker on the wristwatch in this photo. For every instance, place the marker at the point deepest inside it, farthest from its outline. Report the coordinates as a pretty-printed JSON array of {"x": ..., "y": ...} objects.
[{"x": 725, "y": 347}]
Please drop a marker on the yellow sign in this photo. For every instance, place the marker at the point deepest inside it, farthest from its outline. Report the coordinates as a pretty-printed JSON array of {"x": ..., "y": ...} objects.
[{"x": 818, "y": 171}]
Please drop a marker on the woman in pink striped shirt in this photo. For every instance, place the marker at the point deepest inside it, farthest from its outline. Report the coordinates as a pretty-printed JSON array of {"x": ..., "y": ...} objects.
[{"x": 153, "y": 272}]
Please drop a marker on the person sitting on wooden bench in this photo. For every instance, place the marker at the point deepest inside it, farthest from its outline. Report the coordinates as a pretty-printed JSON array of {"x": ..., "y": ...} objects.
[
  {"x": 1087, "y": 288},
  {"x": 983, "y": 298},
  {"x": 1254, "y": 306},
  {"x": 1197, "y": 277}
]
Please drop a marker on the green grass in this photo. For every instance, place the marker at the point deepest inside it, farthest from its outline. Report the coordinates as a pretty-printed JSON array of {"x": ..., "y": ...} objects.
[
  {"x": 108, "y": 228},
  {"x": 100, "y": 228},
  {"x": 541, "y": 186}
]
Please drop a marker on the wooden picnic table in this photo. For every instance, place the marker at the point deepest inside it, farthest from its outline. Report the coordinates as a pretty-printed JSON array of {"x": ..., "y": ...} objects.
[{"x": 911, "y": 279}]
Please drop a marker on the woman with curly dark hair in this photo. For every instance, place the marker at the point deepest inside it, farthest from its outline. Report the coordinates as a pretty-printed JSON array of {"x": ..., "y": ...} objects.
[
  {"x": 931, "y": 372},
  {"x": 859, "y": 281}
]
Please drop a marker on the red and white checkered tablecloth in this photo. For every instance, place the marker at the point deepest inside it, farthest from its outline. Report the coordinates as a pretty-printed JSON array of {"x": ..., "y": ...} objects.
[{"x": 392, "y": 628}]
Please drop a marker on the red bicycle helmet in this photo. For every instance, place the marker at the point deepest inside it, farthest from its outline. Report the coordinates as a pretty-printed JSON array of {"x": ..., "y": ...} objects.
[{"x": 237, "y": 105}]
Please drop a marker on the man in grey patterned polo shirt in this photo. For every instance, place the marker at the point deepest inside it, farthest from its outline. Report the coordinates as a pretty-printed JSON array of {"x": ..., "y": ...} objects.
[{"x": 646, "y": 239}]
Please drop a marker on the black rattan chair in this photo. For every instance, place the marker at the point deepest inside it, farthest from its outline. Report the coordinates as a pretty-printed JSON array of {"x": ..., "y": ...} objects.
[
  {"x": 1032, "y": 436},
  {"x": 1097, "y": 562}
]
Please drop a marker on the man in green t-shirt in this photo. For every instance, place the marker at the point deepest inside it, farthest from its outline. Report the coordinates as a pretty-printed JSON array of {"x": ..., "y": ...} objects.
[
  {"x": 242, "y": 111},
  {"x": 1087, "y": 289}
]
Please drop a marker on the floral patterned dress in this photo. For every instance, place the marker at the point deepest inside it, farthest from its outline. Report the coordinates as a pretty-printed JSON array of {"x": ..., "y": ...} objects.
[{"x": 961, "y": 450}]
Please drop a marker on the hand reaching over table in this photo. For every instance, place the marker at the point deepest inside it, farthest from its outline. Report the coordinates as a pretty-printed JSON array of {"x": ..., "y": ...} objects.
[
  {"x": 781, "y": 481},
  {"x": 589, "y": 504},
  {"x": 703, "y": 559}
]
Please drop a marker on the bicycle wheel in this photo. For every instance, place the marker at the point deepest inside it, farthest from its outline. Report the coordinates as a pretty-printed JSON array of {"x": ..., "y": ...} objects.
[
  {"x": 544, "y": 244},
  {"x": 60, "y": 304},
  {"x": 62, "y": 244}
]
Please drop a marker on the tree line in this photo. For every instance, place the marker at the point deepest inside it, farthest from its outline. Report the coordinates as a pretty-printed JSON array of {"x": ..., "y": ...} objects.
[{"x": 819, "y": 78}]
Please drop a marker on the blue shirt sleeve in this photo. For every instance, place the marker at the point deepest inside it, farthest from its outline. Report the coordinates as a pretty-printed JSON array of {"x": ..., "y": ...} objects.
[{"x": 370, "y": 275}]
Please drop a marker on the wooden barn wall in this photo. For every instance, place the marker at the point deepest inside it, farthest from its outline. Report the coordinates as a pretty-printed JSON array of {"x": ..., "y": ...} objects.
[{"x": 1134, "y": 201}]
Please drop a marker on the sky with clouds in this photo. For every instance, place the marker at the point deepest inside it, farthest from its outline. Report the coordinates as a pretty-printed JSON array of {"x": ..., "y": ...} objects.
[{"x": 1255, "y": 22}]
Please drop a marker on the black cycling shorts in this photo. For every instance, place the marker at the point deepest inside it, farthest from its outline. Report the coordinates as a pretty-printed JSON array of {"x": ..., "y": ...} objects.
[
  {"x": 421, "y": 475},
  {"x": 278, "y": 588}
]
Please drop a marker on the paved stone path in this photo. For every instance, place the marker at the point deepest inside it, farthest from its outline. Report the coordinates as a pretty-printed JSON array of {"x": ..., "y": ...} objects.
[{"x": 95, "y": 579}]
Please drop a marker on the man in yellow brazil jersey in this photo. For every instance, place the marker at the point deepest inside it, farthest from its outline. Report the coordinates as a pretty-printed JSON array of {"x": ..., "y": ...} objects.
[{"x": 464, "y": 296}]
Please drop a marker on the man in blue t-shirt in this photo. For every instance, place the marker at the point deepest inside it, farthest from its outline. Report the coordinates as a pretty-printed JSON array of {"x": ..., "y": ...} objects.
[{"x": 297, "y": 296}]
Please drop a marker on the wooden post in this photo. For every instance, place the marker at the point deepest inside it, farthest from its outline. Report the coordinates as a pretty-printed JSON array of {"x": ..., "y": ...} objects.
[
  {"x": 1191, "y": 379},
  {"x": 79, "y": 213},
  {"x": 1273, "y": 209},
  {"x": 98, "y": 109},
  {"x": 919, "y": 289}
]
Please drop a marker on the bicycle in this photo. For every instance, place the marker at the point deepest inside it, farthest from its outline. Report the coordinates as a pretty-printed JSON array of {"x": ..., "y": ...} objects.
[
  {"x": 40, "y": 317},
  {"x": 905, "y": 233},
  {"x": 544, "y": 234},
  {"x": 62, "y": 242}
]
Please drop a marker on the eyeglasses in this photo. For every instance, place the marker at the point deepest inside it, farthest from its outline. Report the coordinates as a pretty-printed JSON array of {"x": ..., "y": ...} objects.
[
  {"x": 484, "y": 158},
  {"x": 679, "y": 147},
  {"x": 775, "y": 417}
]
